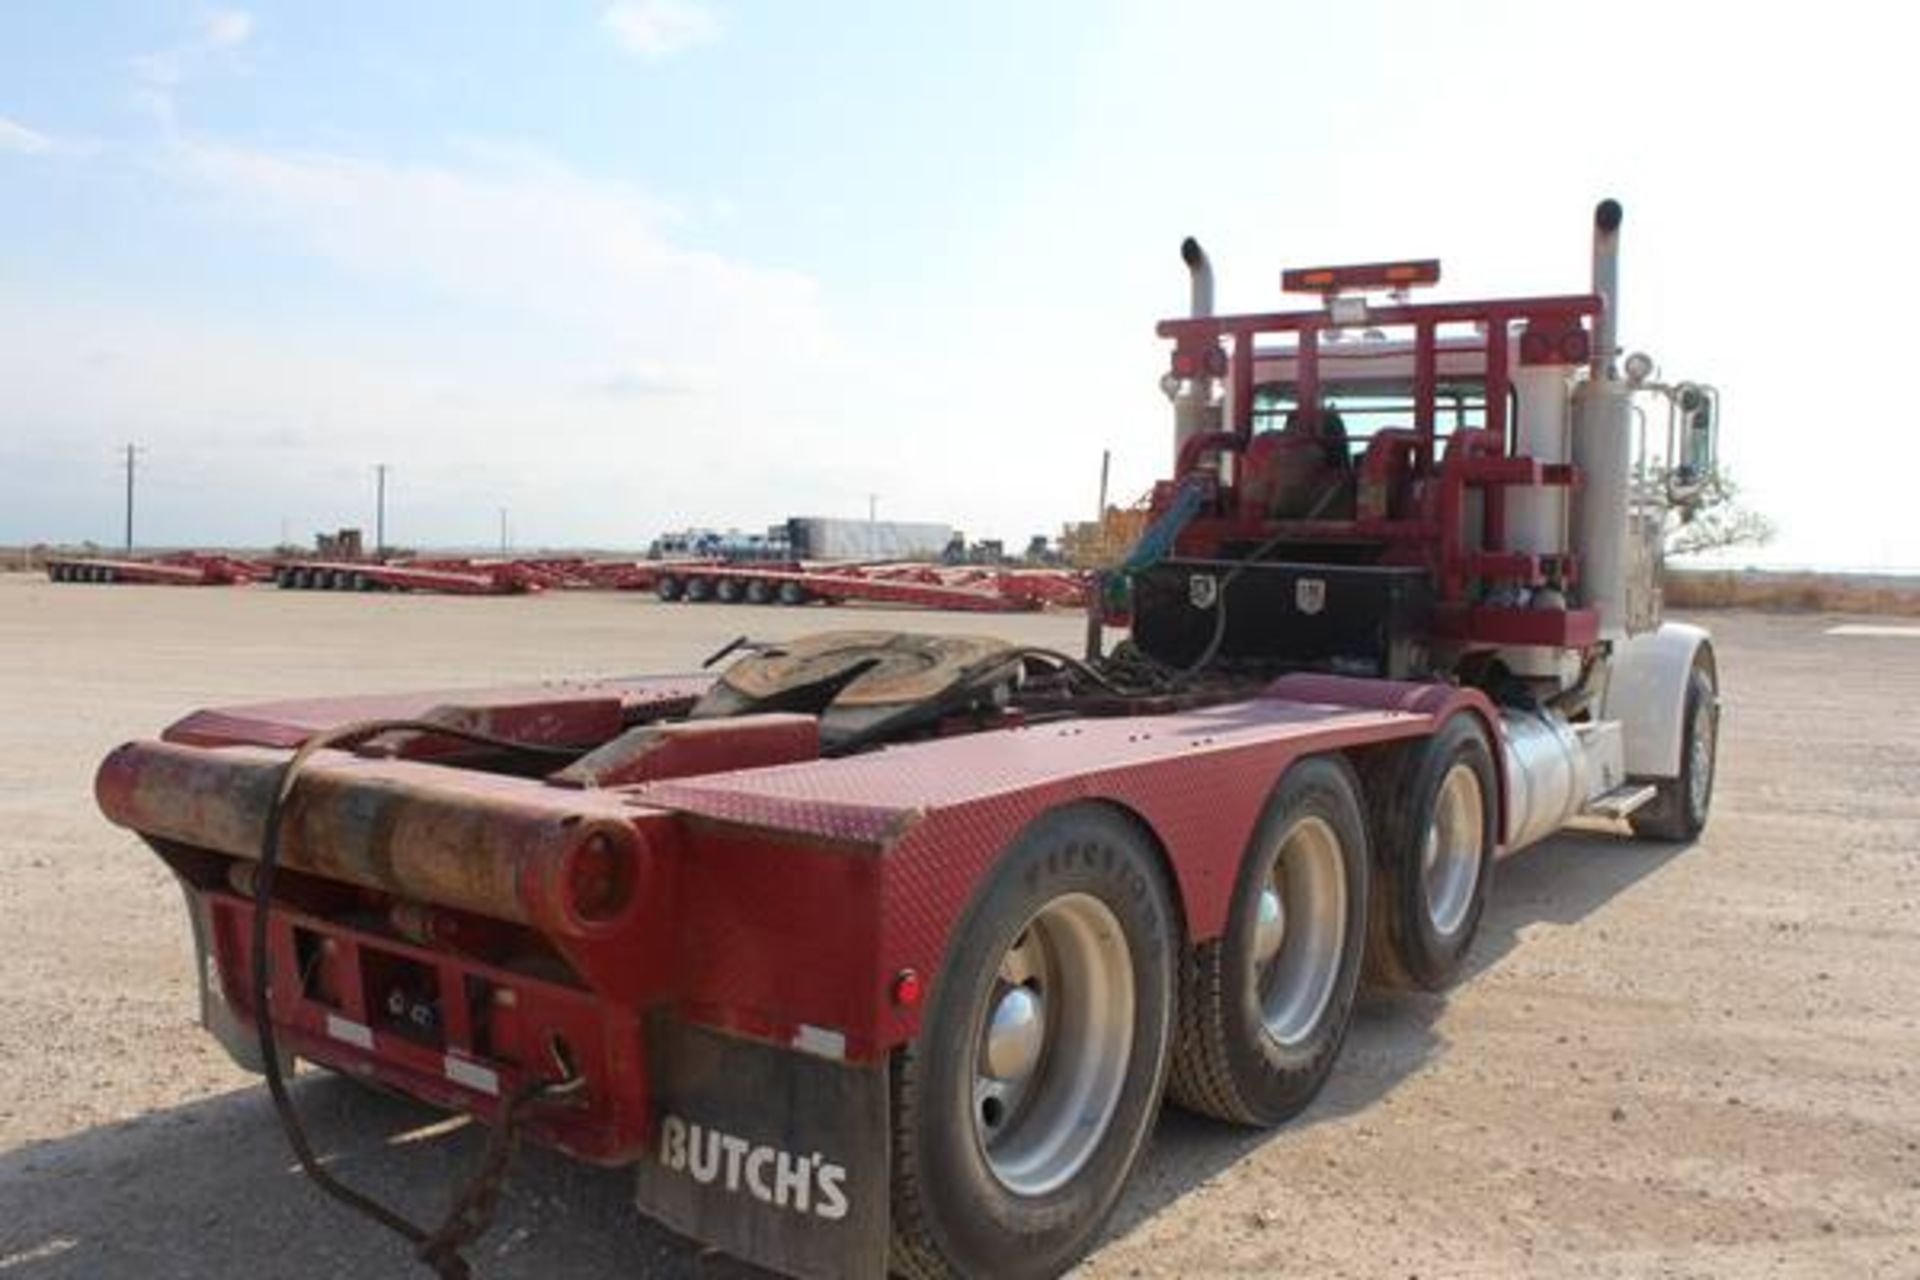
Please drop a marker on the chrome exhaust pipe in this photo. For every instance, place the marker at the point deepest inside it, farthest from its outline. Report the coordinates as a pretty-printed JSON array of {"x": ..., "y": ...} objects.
[
  {"x": 1606, "y": 283},
  {"x": 1200, "y": 275},
  {"x": 1193, "y": 412}
]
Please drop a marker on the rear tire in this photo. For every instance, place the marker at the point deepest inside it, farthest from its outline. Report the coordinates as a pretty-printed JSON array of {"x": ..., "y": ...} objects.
[
  {"x": 1265, "y": 1007},
  {"x": 1679, "y": 811},
  {"x": 792, "y": 593},
  {"x": 759, "y": 591},
  {"x": 1438, "y": 802},
  {"x": 728, "y": 590},
  {"x": 668, "y": 588},
  {"x": 698, "y": 590},
  {"x": 1022, "y": 1108}
]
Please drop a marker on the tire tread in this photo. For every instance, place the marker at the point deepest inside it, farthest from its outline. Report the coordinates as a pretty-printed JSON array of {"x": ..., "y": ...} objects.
[
  {"x": 1202, "y": 1076},
  {"x": 1199, "y": 1077},
  {"x": 1666, "y": 816},
  {"x": 913, "y": 1253}
]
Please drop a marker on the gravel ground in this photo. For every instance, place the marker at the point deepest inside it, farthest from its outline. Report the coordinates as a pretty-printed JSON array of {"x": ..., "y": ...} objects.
[{"x": 1696, "y": 1061}]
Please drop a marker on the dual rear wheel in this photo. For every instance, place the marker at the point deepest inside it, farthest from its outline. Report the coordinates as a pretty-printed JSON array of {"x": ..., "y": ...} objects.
[
  {"x": 1436, "y": 832},
  {"x": 1265, "y": 1006},
  {"x": 1069, "y": 1001},
  {"x": 1019, "y": 1113}
]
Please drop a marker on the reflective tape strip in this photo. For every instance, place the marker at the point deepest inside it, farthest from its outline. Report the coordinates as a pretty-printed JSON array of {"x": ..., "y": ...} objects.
[
  {"x": 350, "y": 1032},
  {"x": 821, "y": 1041},
  {"x": 473, "y": 1075}
]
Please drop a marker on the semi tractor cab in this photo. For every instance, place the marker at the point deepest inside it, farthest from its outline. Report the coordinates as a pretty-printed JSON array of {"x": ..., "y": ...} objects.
[
  {"x": 877, "y": 952},
  {"x": 1476, "y": 492}
]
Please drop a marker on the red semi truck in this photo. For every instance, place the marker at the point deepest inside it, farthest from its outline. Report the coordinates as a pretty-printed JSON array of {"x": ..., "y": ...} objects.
[{"x": 878, "y": 952}]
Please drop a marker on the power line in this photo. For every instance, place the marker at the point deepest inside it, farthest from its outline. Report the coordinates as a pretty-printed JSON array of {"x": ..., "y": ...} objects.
[
  {"x": 133, "y": 451},
  {"x": 380, "y": 511}
]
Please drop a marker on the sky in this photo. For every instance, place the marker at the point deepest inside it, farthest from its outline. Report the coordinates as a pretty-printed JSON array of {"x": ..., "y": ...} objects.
[{"x": 619, "y": 268}]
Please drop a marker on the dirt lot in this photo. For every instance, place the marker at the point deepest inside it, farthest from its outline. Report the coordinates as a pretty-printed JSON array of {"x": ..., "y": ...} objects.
[{"x": 1669, "y": 1061}]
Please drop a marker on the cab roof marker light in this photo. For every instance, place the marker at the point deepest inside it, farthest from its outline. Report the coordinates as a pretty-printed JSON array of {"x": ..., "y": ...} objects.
[{"x": 1369, "y": 275}]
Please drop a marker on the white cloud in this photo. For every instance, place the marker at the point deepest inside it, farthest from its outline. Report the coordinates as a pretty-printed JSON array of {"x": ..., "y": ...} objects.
[
  {"x": 227, "y": 28},
  {"x": 21, "y": 140},
  {"x": 521, "y": 235},
  {"x": 160, "y": 74},
  {"x": 657, "y": 28},
  {"x": 503, "y": 329}
]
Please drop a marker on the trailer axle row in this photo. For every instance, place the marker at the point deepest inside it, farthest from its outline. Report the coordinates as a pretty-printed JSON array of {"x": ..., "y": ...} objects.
[{"x": 969, "y": 590}]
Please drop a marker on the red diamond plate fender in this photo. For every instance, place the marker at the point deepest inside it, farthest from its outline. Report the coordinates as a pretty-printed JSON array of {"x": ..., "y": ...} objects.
[{"x": 879, "y": 854}]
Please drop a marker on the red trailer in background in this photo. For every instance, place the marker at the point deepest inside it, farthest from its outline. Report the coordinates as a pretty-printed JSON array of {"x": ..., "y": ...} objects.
[
  {"x": 180, "y": 569},
  {"x": 878, "y": 951},
  {"x": 446, "y": 577},
  {"x": 974, "y": 589}
]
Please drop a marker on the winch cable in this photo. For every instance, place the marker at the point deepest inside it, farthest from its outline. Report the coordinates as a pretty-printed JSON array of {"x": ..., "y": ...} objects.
[{"x": 472, "y": 1210}]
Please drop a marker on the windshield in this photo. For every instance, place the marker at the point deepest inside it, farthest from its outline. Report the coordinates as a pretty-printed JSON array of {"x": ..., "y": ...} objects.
[{"x": 1365, "y": 408}]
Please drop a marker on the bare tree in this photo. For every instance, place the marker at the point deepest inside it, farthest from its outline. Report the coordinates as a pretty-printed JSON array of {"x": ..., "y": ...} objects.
[{"x": 1719, "y": 520}]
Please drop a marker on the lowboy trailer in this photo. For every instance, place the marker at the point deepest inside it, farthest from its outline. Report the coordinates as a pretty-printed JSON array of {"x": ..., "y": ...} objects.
[
  {"x": 184, "y": 569},
  {"x": 913, "y": 586},
  {"x": 878, "y": 952},
  {"x": 458, "y": 577}
]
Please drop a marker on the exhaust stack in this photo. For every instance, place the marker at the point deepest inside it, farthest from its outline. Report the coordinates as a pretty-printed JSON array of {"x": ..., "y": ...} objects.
[
  {"x": 1603, "y": 446},
  {"x": 1200, "y": 273},
  {"x": 1194, "y": 412},
  {"x": 1606, "y": 283}
]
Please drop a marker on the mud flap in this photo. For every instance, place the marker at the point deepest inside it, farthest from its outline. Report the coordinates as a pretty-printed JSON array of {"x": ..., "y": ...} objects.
[
  {"x": 235, "y": 1033},
  {"x": 776, "y": 1156}
]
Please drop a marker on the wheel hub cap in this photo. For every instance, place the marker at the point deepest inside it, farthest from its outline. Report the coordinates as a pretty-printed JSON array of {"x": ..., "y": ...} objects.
[
  {"x": 1270, "y": 931},
  {"x": 1054, "y": 1044},
  {"x": 1298, "y": 950},
  {"x": 1451, "y": 855},
  {"x": 1016, "y": 1033}
]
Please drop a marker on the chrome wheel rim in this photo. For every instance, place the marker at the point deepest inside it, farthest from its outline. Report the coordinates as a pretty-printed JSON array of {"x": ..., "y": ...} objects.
[
  {"x": 1700, "y": 761},
  {"x": 1450, "y": 855},
  {"x": 1300, "y": 931},
  {"x": 1053, "y": 1045}
]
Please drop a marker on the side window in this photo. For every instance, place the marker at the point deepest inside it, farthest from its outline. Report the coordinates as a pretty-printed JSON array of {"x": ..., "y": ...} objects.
[
  {"x": 1272, "y": 402},
  {"x": 1459, "y": 405}
]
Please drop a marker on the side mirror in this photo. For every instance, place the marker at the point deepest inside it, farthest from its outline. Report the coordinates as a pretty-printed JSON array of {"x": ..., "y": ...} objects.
[
  {"x": 1695, "y": 450},
  {"x": 1699, "y": 428}
]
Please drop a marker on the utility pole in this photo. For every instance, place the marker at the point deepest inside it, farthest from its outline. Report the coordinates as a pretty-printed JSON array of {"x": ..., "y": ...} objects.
[
  {"x": 1106, "y": 462},
  {"x": 380, "y": 511},
  {"x": 503, "y": 531},
  {"x": 873, "y": 540},
  {"x": 133, "y": 452}
]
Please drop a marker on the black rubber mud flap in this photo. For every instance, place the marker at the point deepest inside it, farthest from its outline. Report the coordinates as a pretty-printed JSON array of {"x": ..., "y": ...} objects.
[
  {"x": 235, "y": 1033},
  {"x": 776, "y": 1156}
]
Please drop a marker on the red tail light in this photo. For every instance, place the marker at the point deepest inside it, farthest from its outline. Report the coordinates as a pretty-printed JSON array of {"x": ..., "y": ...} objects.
[
  {"x": 600, "y": 878},
  {"x": 907, "y": 989}
]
